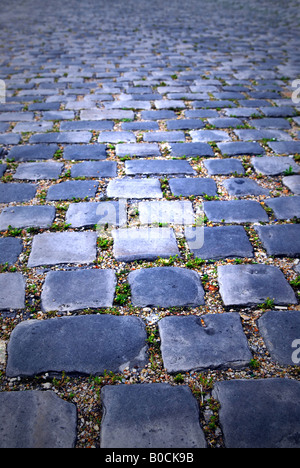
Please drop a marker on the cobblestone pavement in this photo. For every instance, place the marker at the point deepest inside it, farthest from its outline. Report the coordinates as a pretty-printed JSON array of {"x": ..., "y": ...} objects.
[{"x": 149, "y": 218}]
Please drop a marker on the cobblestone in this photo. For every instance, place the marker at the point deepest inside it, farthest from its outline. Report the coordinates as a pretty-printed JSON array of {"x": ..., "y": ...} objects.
[{"x": 149, "y": 334}]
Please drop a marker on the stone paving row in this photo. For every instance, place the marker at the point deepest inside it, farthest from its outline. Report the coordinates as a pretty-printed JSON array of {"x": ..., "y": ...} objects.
[{"x": 149, "y": 225}]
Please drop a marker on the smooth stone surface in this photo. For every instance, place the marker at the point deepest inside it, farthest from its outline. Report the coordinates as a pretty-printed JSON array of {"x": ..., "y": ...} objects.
[
  {"x": 3, "y": 168},
  {"x": 188, "y": 345},
  {"x": 84, "y": 152},
  {"x": 285, "y": 147},
  {"x": 171, "y": 212},
  {"x": 38, "y": 171},
  {"x": 10, "y": 249},
  {"x": 165, "y": 287},
  {"x": 237, "y": 148},
  {"x": 191, "y": 149},
  {"x": 293, "y": 183},
  {"x": 274, "y": 165},
  {"x": 72, "y": 189},
  {"x": 102, "y": 169},
  {"x": 248, "y": 285},
  {"x": 77, "y": 345},
  {"x": 219, "y": 242},
  {"x": 116, "y": 137},
  {"x": 32, "y": 152},
  {"x": 98, "y": 114},
  {"x": 241, "y": 187},
  {"x": 12, "y": 291},
  {"x": 87, "y": 214},
  {"x": 235, "y": 211},
  {"x": 270, "y": 420},
  {"x": 285, "y": 207},
  {"x": 27, "y": 216},
  {"x": 16, "y": 192},
  {"x": 193, "y": 186},
  {"x": 209, "y": 135},
  {"x": 63, "y": 247},
  {"x": 35, "y": 419},
  {"x": 134, "y": 188},
  {"x": 140, "y": 150},
  {"x": 79, "y": 289},
  {"x": 144, "y": 244},
  {"x": 281, "y": 240},
  {"x": 146, "y": 416},
  {"x": 280, "y": 331},
  {"x": 223, "y": 166},
  {"x": 158, "y": 167}
]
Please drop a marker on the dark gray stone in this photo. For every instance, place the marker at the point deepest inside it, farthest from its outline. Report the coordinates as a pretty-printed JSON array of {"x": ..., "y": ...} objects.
[
  {"x": 166, "y": 287},
  {"x": 285, "y": 147},
  {"x": 293, "y": 183},
  {"x": 76, "y": 345},
  {"x": 282, "y": 111},
  {"x": 79, "y": 289},
  {"x": 72, "y": 189},
  {"x": 188, "y": 345},
  {"x": 12, "y": 291},
  {"x": 225, "y": 122},
  {"x": 158, "y": 167},
  {"x": 84, "y": 152},
  {"x": 193, "y": 186},
  {"x": 285, "y": 207},
  {"x": 90, "y": 214},
  {"x": 16, "y": 192},
  {"x": 2, "y": 169},
  {"x": 63, "y": 247},
  {"x": 274, "y": 165},
  {"x": 140, "y": 150},
  {"x": 223, "y": 166},
  {"x": 35, "y": 419},
  {"x": 146, "y": 416},
  {"x": 144, "y": 244},
  {"x": 10, "y": 249},
  {"x": 191, "y": 150},
  {"x": 32, "y": 152},
  {"x": 237, "y": 148},
  {"x": 219, "y": 242},
  {"x": 271, "y": 122},
  {"x": 185, "y": 124},
  {"x": 235, "y": 211},
  {"x": 280, "y": 331},
  {"x": 27, "y": 216},
  {"x": 248, "y": 285},
  {"x": 38, "y": 171},
  {"x": 136, "y": 126},
  {"x": 282, "y": 240},
  {"x": 99, "y": 170},
  {"x": 134, "y": 188},
  {"x": 275, "y": 407},
  {"x": 158, "y": 115},
  {"x": 241, "y": 187}
]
